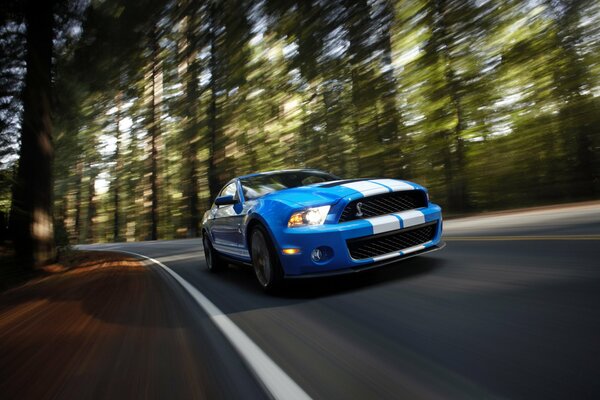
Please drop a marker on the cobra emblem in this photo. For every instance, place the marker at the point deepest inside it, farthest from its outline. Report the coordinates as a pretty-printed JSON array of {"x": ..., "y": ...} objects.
[{"x": 359, "y": 212}]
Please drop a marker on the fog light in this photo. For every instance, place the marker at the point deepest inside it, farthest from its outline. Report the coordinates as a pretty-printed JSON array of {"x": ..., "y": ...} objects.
[
  {"x": 316, "y": 255},
  {"x": 321, "y": 255}
]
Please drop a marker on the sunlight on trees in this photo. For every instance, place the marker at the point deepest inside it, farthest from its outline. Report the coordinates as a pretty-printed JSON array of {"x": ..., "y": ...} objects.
[{"x": 158, "y": 103}]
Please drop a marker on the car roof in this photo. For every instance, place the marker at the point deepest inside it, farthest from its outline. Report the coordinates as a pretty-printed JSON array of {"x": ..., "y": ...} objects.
[{"x": 280, "y": 171}]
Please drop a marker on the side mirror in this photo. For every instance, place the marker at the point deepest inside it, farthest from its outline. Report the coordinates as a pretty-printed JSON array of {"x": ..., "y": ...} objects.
[{"x": 225, "y": 200}]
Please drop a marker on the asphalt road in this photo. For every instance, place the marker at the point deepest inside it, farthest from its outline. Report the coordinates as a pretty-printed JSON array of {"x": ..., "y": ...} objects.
[{"x": 509, "y": 309}]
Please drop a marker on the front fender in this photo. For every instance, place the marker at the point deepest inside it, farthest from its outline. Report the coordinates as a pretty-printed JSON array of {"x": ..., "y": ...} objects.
[{"x": 273, "y": 215}]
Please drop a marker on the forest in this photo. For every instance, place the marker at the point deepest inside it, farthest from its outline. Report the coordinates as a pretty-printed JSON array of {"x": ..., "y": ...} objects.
[{"x": 121, "y": 120}]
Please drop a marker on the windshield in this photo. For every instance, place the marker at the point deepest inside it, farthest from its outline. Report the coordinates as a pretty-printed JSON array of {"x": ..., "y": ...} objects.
[{"x": 257, "y": 186}]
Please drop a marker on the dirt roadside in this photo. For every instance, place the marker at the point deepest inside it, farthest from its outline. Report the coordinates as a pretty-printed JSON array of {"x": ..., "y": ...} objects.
[{"x": 107, "y": 326}]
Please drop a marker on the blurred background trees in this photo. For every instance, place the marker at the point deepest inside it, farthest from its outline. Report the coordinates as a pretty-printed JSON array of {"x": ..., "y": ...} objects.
[{"x": 157, "y": 104}]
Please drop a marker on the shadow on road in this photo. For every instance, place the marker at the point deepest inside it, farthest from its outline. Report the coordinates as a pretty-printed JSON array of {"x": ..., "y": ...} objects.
[
  {"x": 328, "y": 286},
  {"x": 236, "y": 289}
]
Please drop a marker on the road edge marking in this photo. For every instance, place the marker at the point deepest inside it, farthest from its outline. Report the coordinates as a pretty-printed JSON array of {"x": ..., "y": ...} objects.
[{"x": 277, "y": 383}]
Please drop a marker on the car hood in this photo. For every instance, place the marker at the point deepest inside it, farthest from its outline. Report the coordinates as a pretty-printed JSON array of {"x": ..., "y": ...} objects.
[{"x": 332, "y": 192}]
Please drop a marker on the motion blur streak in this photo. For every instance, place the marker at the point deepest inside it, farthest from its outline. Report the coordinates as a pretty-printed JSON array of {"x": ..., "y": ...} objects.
[
  {"x": 120, "y": 121},
  {"x": 279, "y": 385},
  {"x": 479, "y": 319},
  {"x": 112, "y": 329},
  {"x": 489, "y": 104}
]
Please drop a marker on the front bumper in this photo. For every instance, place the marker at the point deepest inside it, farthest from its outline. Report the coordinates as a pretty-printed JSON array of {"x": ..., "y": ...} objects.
[
  {"x": 368, "y": 267},
  {"x": 332, "y": 238}
]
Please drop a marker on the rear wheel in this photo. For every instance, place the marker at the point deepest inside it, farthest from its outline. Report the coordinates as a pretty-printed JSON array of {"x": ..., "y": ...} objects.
[
  {"x": 265, "y": 261},
  {"x": 213, "y": 262}
]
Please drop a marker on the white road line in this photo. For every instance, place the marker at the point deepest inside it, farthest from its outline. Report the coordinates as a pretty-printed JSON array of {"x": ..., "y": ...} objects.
[
  {"x": 270, "y": 375},
  {"x": 180, "y": 257}
]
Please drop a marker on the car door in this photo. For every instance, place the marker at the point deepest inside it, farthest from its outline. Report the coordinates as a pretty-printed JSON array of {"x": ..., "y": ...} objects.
[{"x": 226, "y": 223}]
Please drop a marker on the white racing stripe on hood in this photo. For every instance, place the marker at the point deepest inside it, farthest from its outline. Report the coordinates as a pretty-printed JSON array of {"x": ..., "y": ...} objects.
[
  {"x": 394, "y": 184},
  {"x": 411, "y": 218},
  {"x": 366, "y": 188}
]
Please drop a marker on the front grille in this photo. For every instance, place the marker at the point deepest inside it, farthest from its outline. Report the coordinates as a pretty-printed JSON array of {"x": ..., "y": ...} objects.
[
  {"x": 389, "y": 242},
  {"x": 383, "y": 204}
]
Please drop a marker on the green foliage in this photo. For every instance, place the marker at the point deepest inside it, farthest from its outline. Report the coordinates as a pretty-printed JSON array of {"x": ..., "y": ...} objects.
[{"x": 488, "y": 104}]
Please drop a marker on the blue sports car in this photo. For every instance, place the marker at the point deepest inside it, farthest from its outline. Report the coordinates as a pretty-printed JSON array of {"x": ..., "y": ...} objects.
[{"x": 308, "y": 223}]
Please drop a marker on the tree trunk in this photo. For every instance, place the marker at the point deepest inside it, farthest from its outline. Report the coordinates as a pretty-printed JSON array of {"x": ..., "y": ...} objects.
[
  {"x": 576, "y": 108},
  {"x": 117, "y": 171},
  {"x": 190, "y": 71},
  {"x": 91, "y": 206},
  {"x": 154, "y": 131},
  {"x": 397, "y": 158},
  {"x": 31, "y": 214},
  {"x": 455, "y": 178},
  {"x": 3, "y": 220},
  {"x": 78, "y": 195},
  {"x": 368, "y": 144},
  {"x": 213, "y": 177}
]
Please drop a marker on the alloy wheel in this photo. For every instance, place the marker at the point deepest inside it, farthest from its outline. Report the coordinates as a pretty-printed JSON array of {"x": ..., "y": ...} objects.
[{"x": 261, "y": 258}]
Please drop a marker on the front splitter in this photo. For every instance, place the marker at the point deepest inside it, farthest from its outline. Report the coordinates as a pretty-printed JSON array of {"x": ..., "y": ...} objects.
[{"x": 369, "y": 267}]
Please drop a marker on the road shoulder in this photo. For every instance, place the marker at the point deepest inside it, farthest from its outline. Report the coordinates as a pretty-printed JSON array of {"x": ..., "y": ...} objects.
[{"x": 110, "y": 327}]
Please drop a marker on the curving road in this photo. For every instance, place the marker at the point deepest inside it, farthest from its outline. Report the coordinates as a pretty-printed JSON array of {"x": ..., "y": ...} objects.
[{"x": 509, "y": 309}]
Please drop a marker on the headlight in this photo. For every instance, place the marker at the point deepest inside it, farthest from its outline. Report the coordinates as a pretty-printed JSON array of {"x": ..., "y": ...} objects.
[{"x": 310, "y": 216}]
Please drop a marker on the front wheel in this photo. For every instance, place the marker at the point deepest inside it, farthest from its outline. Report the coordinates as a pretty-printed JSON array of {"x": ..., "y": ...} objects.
[
  {"x": 213, "y": 261},
  {"x": 264, "y": 260}
]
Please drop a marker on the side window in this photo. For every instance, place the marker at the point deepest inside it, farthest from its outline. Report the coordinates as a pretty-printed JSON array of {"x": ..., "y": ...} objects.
[{"x": 229, "y": 190}]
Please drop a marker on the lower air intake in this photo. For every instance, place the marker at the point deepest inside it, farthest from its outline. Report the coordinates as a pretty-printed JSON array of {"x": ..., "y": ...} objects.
[{"x": 389, "y": 242}]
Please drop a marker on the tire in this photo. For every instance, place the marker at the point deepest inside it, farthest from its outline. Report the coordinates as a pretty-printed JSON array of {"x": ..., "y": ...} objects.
[
  {"x": 214, "y": 263},
  {"x": 265, "y": 261}
]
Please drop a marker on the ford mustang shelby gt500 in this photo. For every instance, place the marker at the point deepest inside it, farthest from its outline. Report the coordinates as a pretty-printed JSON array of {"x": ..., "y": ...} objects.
[{"x": 306, "y": 223}]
